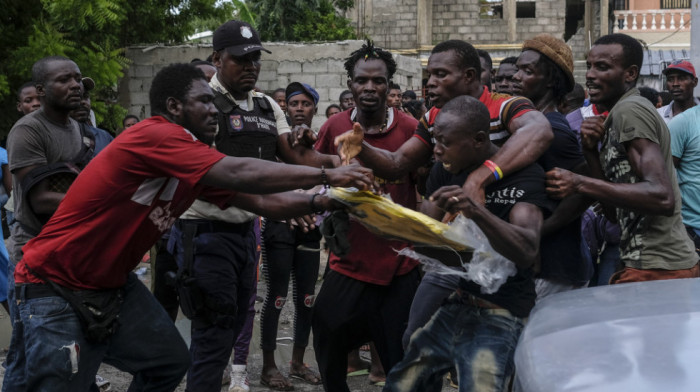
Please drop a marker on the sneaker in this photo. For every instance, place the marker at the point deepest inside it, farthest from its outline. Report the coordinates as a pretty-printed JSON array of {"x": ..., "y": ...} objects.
[
  {"x": 102, "y": 383},
  {"x": 239, "y": 379}
]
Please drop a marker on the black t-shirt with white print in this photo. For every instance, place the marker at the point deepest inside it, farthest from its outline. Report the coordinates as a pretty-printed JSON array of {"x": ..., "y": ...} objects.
[{"x": 517, "y": 294}]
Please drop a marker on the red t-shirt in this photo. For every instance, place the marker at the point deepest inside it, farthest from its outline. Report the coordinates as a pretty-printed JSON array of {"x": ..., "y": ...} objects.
[
  {"x": 502, "y": 107},
  {"x": 372, "y": 259},
  {"x": 120, "y": 205}
]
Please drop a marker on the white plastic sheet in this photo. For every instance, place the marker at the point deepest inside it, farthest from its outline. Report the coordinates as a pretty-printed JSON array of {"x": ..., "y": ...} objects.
[{"x": 487, "y": 268}]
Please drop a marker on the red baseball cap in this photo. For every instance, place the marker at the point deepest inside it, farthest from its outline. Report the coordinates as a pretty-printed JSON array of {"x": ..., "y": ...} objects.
[{"x": 680, "y": 66}]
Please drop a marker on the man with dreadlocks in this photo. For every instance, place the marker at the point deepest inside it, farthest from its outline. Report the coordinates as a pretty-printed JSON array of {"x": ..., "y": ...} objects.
[{"x": 369, "y": 289}]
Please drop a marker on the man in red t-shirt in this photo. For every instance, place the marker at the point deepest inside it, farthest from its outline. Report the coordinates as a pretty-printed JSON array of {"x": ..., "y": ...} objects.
[
  {"x": 113, "y": 213},
  {"x": 454, "y": 69},
  {"x": 367, "y": 293}
]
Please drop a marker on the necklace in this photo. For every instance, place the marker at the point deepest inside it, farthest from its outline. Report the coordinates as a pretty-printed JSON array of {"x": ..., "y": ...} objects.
[{"x": 384, "y": 126}]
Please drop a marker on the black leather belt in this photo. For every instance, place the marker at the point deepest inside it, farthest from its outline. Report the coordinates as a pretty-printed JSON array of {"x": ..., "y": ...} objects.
[
  {"x": 213, "y": 226},
  {"x": 34, "y": 290}
]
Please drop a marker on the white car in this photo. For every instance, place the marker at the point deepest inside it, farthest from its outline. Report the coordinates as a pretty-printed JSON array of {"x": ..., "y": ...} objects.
[{"x": 628, "y": 337}]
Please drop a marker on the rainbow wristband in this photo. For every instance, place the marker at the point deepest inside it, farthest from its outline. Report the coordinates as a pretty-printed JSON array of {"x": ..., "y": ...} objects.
[{"x": 497, "y": 172}]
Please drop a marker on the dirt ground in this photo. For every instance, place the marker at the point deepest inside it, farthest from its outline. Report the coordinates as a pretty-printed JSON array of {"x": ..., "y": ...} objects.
[{"x": 119, "y": 381}]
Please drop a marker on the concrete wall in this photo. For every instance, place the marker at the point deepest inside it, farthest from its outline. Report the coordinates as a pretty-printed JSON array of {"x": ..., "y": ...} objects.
[
  {"x": 459, "y": 19},
  {"x": 320, "y": 65},
  {"x": 394, "y": 24},
  {"x": 390, "y": 23}
]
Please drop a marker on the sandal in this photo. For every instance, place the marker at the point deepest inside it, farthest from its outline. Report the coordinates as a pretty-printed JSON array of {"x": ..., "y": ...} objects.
[
  {"x": 363, "y": 370},
  {"x": 378, "y": 381},
  {"x": 307, "y": 375},
  {"x": 276, "y": 382},
  {"x": 360, "y": 372}
]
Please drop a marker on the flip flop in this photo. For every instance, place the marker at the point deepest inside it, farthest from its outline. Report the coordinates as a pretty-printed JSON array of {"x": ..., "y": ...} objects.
[
  {"x": 361, "y": 372},
  {"x": 307, "y": 375},
  {"x": 277, "y": 383},
  {"x": 380, "y": 381}
]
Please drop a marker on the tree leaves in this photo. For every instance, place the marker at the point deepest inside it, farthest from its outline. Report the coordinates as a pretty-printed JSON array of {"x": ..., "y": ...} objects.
[
  {"x": 302, "y": 20},
  {"x": 94, "y": 34}
]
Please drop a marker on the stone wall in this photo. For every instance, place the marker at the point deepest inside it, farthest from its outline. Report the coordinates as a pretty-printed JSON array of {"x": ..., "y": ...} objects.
[{"x": 320, "y": 65}]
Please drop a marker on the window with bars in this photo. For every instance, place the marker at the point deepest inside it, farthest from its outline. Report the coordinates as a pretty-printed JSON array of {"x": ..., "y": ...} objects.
[{"x": 674, "y": 4}]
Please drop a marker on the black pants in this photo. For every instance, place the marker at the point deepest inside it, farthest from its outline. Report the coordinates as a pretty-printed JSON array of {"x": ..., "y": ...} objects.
[
  {"x": 349, "y": 312},
  {"x": 224, "y": 267},
  {"x": 283, "y": 257}
]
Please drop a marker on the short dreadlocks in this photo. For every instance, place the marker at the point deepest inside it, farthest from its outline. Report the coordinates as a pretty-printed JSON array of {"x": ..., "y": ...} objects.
[{"x": 369, "y": 51}]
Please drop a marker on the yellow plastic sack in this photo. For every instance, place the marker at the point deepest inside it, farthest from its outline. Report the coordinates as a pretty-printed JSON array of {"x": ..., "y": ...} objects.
[{"x": 386, "y": 218}]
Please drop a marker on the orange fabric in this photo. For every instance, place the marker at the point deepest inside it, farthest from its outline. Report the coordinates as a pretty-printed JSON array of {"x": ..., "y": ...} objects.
[{"x": 627, "y": 274}]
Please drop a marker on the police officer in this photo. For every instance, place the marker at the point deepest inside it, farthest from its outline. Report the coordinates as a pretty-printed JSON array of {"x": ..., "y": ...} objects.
[{"x": 221, "y": 244}]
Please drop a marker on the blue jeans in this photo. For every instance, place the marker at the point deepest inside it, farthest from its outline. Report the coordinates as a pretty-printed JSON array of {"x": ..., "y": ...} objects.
[
  {"x": 14, "y": 361},
  {"x": 58, "y": 358},
  {"x": 432, "y": 291},
  {"x": 480, "y": 343}
]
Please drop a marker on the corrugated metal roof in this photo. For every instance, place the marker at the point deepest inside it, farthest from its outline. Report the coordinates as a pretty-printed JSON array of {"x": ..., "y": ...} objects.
[{"x": 656, "y": 60}]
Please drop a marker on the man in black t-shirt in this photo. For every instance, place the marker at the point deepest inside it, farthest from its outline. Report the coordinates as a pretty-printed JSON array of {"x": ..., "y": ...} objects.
[
  {"x": 477, "y": 333},
  {"x": 545, "y": 76}
]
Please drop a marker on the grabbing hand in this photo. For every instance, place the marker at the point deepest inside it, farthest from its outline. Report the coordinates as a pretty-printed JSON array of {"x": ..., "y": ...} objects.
[
  {"x": 474, "y": 189},
  {"x": 305, "y": 223},
  {"x": 561, "y": 183},
  {"x": 350, "y": 143},
  {"x": 453, "y": 199},
  {"x": 592, "y": 132},
  {"x": 302, "y": 135},
  {"x": 351, "y": 176}
]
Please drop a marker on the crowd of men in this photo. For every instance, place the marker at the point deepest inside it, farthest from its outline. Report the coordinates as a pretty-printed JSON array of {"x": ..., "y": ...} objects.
[{"x": 548, "y": 180}]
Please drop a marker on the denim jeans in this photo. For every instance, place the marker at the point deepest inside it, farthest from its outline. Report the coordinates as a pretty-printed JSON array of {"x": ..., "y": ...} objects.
[
  {"x": 58, "y": 358},
  {"x": 432, "y": 291},
  {"x": 14, "y": 361},
  {"x": 480, "y": 343}
]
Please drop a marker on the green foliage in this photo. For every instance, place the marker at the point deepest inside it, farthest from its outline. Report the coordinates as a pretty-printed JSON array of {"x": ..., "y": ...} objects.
[
  {"x": 94, "y": 34},
  {"x": 323, "y": 25},
  {"x": 302, "y": 20}
]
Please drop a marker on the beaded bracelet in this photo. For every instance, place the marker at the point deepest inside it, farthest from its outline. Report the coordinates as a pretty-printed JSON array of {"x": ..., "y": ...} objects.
[{"x": 497, "y": 172}]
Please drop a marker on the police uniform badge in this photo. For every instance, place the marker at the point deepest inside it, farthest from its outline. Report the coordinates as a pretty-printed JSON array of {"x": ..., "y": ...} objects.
[
  {"x": 236, "y": 122},
  {"x": 245, "y": 32}
]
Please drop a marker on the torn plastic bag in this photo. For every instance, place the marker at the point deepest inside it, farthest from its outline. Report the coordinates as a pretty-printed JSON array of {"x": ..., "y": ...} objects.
[{"x": 380, "y": 215}]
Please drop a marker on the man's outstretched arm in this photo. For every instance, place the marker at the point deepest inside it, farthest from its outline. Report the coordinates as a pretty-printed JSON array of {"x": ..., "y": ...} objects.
[
  {"x": 303, "y": 155},
  {"x": 652, "y": 194},
  {"x": 389, "y": 165},
  {"x": 284, "y": 205},
  {"x": 258, "y": 176}
]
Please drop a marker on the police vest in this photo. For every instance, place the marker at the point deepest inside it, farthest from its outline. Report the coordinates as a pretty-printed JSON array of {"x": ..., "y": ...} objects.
[{"x": 244, "y": 133}]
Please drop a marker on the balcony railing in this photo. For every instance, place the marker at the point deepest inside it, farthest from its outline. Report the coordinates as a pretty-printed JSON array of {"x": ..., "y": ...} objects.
[{"x": 652, "y": 20}]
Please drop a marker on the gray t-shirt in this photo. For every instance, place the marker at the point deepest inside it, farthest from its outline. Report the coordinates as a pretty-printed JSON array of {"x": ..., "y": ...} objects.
[
  {"x": 647, "y": 241},
  {"x": 36, "y": 140}
]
